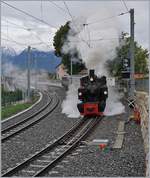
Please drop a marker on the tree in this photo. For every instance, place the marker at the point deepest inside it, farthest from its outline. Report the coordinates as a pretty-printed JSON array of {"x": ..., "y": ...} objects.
[
  {"x": 59, "y": 39},
  {"x": 141, "y": 58}
]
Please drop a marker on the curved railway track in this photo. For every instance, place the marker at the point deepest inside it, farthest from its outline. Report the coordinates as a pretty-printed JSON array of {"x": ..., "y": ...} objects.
[
  {"x": 44, "y": 160},
  {"x": 44, "y": 101},
  {"x": 24, "y": 124}
]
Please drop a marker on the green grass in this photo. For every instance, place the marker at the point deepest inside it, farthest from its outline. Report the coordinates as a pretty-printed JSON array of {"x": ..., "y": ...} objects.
[{"x": 14, "y": 109}]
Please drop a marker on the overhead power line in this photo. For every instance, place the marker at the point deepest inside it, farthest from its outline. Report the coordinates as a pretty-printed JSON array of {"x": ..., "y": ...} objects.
[
  {"x": 108, "y": 18},
  {"x": 22, "y": 44},
  {"x": 31, "y": 30},
  {"x": 125, "y": 5},
  {"x": 74, "y": 23},
  {"x": 12, "y": 40},
  {"x": 56, "y": 5},
  {"x": 19, "y": 26},
  {"x": 60, "y": 8},
  {"x": 26, "y": 13},
  {"x": 13, "y": 27},
  {"x": 68, "y": 10},
  {"x": 41, "y": 10},
  {"x": 47, "y": 45},
  {"x": 92, "y": 40}
]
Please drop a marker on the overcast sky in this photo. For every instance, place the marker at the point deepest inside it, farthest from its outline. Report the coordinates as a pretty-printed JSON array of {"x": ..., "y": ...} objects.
[{"x": 41, "y": 35}]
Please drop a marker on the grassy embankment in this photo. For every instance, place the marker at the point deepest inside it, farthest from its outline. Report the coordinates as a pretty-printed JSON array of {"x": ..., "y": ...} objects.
[{"x": 14, "y": 109}]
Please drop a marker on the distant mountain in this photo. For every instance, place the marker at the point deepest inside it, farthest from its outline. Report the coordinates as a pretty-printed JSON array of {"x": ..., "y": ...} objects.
[
  {"x": 7, "y": 51},
  {"x": 39, "y": 59},
  {"x": 7, "y": 54}
]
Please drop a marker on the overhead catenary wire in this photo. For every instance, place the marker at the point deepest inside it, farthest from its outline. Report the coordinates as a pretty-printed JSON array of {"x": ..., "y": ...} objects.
[
  {"x": 19, "y": 26},
  {"x": 31, "y": 30},
  {"x": 108, "y": 18},
  {"x": 93, "y": 40},
  {"x": 41, "y": 10},
  {"x": 90, "y": 23},
  {"x": 68, "y": 10},
  {"x": 74, "y": 22},
  {"x": 25, "y": 44},
  {"x": 58, "y": 7},
  {"x": 13, "y": 27},
  {"x": 125, "y": 5},
  {"x": 13, "y": 41},
  {"x": 10, "y": 22},
  {"x": 42, "y": 21},
  {"x": 41, "y": 39},
  {"x": 28, "y": 14}
]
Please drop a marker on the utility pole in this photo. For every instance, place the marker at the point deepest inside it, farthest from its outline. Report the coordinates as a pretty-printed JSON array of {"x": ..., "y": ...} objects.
[
  {"x": 71, "y": 69},
  {"x": 132, "y": 80},
  {"x": 28, "y": 73},
  {"x": 35, "y": 60}
]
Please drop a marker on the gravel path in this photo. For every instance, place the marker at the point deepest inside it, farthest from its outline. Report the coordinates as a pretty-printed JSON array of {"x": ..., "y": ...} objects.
[{"x": 37, "y": 137}]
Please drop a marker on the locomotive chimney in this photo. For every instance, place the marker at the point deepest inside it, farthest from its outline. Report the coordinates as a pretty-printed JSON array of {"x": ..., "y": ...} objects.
[{"x": 91, "y": 73}]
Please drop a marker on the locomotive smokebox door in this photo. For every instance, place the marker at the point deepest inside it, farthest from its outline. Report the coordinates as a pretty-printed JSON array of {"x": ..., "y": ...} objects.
[{"x": 91, "y": 73}]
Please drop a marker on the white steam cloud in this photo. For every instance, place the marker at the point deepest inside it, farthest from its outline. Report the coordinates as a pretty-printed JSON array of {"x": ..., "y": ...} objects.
[
  {"x": 17, "y": 78},
  {"x": 96, "y": 43}
]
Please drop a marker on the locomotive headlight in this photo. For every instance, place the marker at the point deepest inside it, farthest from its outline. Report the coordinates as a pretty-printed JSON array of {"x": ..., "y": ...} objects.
[
  {"x": 80, "y": 93},
  {"x": 105, "y": 92},
  {"x": 91, "y": 79}
]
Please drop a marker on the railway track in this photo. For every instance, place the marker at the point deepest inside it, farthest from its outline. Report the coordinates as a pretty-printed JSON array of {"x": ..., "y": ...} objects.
[
  {"x": 44, "y": 160},
  {"x": 24, "y": 124},
  {"x": 43, "y": 102}
]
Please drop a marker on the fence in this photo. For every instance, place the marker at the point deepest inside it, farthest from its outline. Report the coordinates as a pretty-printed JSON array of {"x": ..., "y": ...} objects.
[
  {"x": 142, "y": 85},
  {"x": 9, "y": 97}
]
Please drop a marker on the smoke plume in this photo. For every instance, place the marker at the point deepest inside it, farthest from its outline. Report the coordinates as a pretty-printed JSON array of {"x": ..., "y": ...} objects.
[
  {"x": 17, "y": 78},
  {"x": 96, "y": 42}
]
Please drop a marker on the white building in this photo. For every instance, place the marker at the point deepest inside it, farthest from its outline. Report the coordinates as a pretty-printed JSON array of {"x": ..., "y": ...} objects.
[{"x": 60, "y": 71}]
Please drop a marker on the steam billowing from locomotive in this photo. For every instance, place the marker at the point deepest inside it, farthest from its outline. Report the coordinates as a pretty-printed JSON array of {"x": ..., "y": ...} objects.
[{"x": 94, "y": 54}]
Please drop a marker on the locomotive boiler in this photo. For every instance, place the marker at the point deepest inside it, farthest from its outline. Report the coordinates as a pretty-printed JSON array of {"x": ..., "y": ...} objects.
[{"x": 92, "y": 94}]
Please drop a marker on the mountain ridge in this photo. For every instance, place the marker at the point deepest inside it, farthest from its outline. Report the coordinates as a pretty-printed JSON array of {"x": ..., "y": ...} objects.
[{"x": 39, "y": 59}]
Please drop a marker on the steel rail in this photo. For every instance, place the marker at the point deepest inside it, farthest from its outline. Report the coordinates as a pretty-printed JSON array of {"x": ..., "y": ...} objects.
[
  {"x": 44, "y": 150},
  {"x": 32, "y": 122},
  {"x": 27, "y": 118},
  {"x": 76, "y": 141},
  {"x": 71, "y": 144}
]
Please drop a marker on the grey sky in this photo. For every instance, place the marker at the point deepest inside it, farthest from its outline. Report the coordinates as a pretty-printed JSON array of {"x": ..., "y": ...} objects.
[{"x": 55, "y": 16}]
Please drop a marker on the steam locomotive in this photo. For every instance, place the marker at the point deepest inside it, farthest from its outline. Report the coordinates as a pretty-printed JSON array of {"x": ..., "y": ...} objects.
[{"x": 92, "y": 93}]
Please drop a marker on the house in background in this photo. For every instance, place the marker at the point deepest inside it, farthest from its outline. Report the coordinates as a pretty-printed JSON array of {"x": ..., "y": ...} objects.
[{"x": 60, "y": 71}]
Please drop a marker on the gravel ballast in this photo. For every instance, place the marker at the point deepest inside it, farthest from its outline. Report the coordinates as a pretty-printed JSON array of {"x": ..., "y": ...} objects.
[
  {"x": 85, "y": 160},
  {"x": 34, "y": 139},
  {"x": 92, "y": 161}
]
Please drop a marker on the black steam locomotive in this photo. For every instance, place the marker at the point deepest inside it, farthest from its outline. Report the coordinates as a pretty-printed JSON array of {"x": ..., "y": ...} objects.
[{"x": 92, "y": 93}]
